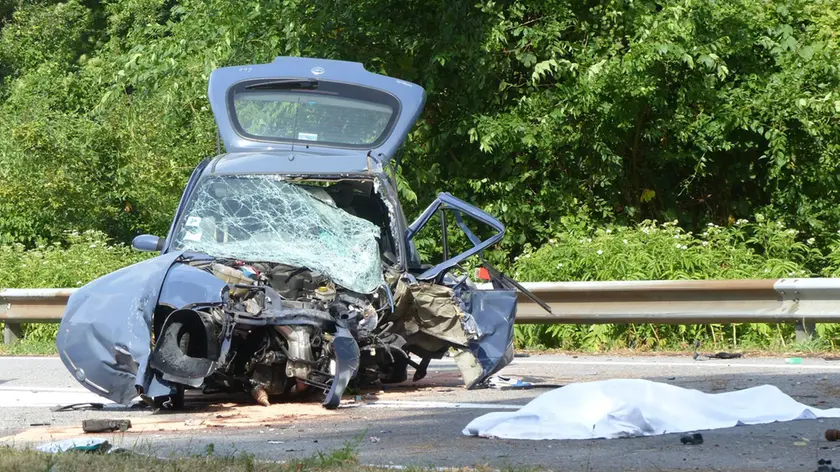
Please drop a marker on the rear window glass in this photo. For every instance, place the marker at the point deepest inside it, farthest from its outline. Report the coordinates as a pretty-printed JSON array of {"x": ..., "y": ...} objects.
[{"x": 325, "y": 113}]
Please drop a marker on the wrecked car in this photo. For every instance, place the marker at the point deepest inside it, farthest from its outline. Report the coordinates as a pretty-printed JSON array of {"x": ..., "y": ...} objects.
[{"x": 289, "y": 266}]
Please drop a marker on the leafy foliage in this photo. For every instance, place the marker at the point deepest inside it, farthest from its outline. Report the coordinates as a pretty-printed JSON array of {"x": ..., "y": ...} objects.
[
  {"x": 85, "y": 257},
  {"x": 618, "y": 111}
]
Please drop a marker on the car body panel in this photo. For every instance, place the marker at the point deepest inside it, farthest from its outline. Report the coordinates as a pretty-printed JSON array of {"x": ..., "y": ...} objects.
[
  {"x": 185, "y": 285},
  {"x": 411, "y": 98},
  {"x": 105, "y": 335}
]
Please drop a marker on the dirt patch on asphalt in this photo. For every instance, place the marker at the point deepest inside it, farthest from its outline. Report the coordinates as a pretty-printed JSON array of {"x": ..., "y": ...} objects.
[{"x": 219, "y": 416}]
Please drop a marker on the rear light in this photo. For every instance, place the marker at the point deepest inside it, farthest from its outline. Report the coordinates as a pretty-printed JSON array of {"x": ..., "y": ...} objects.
[{"x": 482, "y": 274}]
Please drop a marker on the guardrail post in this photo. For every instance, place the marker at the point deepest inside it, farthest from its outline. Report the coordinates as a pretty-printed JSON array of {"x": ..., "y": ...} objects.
[
  {"x": 11, "y": 332},
  {"x": 806, "y": 331}
]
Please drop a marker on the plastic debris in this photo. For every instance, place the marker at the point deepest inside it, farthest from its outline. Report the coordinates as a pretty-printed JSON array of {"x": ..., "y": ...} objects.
[
  {"x": 725, "y": 355},
  {"x": 801, "y": 442},
  {"x": 374, "y": 439},
  {"x": 78, "y": 406},
  {"x": 692, "y": 439},
  {"x": 513, "y": 383},
  {"x": 76, "y": 444},
  {"x": 105, "y": 426},
  {"x": 498, "y": 381},
  {"x": 793, "y": 360}
]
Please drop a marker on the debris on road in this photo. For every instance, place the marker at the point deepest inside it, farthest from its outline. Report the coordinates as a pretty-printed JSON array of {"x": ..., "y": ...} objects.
[
  {"x": 692, "y": 439},
  {"x": 793, "y": 360},
  {"x": 825, "y": 466},
  {"x": 802, "y": 442},
  {"x": 105, "y": 426},
  {"x": 77, "y": 444},
  {"x": 832, "y": 435},
  {"x": 725, "y": 355},
  {"x": 78, "y": 406},
  {"x": 374, "y": 439},
  {"x": 719, "y": 355},
  {"x": 501, "y": 382},
  {"x": 513, "y": 383}
]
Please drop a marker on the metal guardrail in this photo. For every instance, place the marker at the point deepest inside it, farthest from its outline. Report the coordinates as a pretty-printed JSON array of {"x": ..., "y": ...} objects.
[
  {"x": 684, "y": 301},
  {"x": 31, "y": 305},
  {"x": 805, "y": 301}
]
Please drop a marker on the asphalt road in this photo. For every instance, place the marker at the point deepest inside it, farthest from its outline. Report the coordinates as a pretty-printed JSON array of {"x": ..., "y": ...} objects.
[{"x": 421, "y": 424}]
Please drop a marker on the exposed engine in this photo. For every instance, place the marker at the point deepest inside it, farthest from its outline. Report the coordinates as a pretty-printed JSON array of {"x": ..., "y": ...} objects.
[{"x": 280, "y": 330}]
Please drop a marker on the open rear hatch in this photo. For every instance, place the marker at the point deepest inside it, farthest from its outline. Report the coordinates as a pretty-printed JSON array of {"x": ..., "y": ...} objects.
[{"x": 334, "y": 111}]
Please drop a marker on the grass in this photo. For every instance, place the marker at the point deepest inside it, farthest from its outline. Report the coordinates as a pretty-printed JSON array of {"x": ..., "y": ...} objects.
[
  {"x": 345, "y": 459},
  {"x": 817, "y": 348},
  {"x": 28, "y": 347}
]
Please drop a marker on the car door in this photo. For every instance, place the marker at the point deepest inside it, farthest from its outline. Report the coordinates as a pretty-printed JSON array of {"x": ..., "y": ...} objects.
[{"x": 492, "y": 311}]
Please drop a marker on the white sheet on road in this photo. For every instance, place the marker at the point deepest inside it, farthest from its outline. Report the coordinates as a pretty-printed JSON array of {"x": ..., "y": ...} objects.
[{"x": 634, "y": 407}]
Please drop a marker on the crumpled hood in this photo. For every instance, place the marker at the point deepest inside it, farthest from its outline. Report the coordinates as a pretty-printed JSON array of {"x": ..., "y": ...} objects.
[{"x": 104, "y": 338}]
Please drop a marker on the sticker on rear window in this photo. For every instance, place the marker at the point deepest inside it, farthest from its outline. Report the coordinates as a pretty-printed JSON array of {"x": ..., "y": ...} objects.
[
  {"x": 307, "y": 136},
  {"x": 196, "y": 236}
]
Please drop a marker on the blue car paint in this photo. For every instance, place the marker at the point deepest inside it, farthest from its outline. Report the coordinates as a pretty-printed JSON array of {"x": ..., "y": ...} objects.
[
  {"x": 105, "y": 335},
  {"x": 185, "y": 285},
  {"x": 411, "y": 96}
]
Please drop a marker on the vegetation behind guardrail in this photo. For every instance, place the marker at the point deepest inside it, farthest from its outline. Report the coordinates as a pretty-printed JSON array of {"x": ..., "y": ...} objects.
[
  {"x": 757, "y": 249},
  {"x": 83, "y": 258}
]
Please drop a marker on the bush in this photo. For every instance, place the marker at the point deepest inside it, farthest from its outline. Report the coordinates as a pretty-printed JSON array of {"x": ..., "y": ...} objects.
[
  {"x": 654, "y": 251},
  {"x": 83, "y": 258},
  {"x": 619, "y": 110}
]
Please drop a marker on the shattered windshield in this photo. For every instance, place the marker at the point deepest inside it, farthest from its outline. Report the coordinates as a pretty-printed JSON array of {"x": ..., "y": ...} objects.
[{"x": 262, "y": 218}]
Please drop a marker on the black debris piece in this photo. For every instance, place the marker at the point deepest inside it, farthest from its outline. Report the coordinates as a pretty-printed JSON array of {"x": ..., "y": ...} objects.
[
  {"x": 719, "y": 355},
  {"x": 692, "y": 439},
  {"x": 824, "y": 465}
]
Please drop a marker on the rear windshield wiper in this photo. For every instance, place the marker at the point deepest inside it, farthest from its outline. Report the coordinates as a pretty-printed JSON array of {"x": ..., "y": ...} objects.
[{"x": 285, "y": 84}]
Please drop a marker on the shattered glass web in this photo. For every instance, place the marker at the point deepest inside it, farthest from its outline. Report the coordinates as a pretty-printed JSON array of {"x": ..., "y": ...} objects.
[{"x": 262, "y": 218}]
